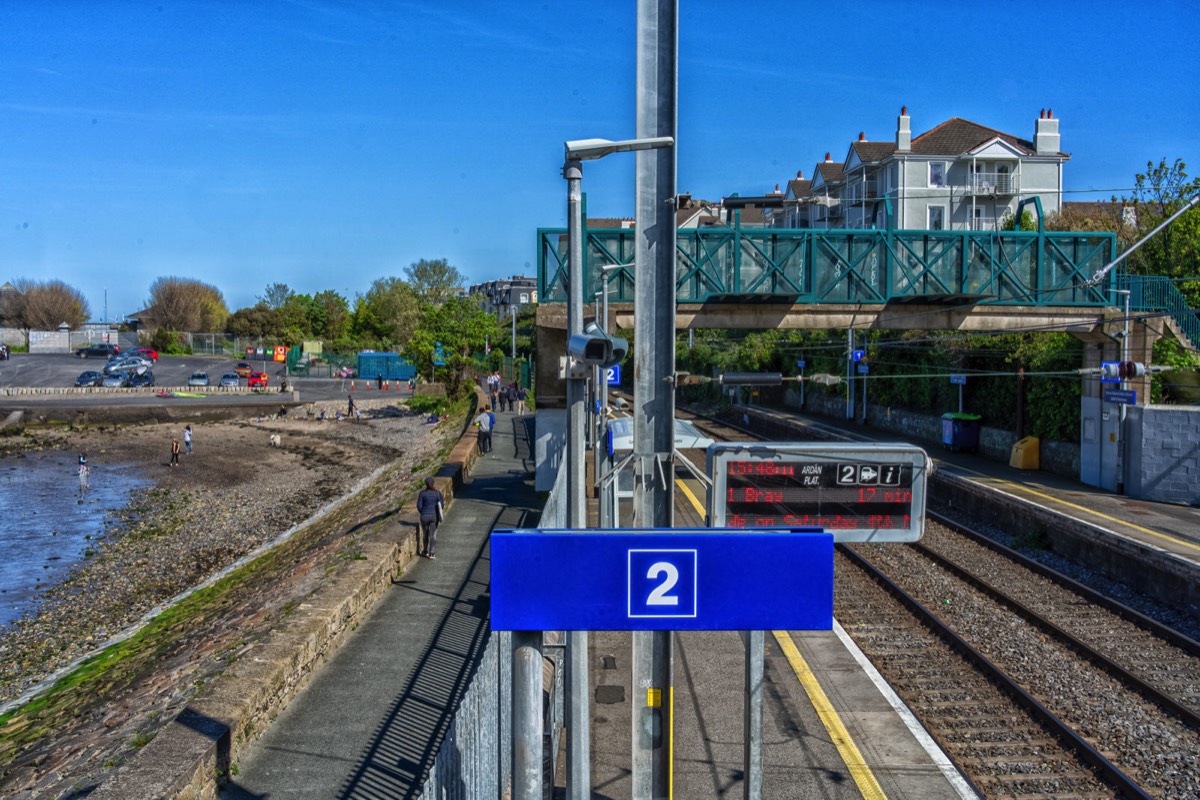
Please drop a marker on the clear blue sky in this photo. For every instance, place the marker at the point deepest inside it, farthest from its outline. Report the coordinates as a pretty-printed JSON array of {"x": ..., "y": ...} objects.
[{"x": 324, "y": 145}]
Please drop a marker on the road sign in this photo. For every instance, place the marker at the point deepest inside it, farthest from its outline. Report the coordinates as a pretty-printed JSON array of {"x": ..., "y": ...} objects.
[
  {"x": 863, "y": 368},
  {"x": 859, "y": 493},
  {"x": 1126, "y": 396},
  {"x": 958, "y": 380},
  {"x": 612, "y": 375},
  {"x": 858, "y": 355},
  {"x": 661, "y": 580}
]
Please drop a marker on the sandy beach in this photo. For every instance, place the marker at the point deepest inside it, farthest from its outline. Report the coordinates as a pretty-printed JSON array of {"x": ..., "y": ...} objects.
[{"x": 236, "y": 491}]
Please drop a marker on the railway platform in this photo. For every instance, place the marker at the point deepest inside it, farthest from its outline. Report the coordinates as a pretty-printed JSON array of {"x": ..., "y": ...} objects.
[{"x": 1153, "y": 547}]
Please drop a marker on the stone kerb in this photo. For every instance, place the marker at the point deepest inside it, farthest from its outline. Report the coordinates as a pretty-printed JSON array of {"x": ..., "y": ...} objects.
[{"x": 189, "y": 757}]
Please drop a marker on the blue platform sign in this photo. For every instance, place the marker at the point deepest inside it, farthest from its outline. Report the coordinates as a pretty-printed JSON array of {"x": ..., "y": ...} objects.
[
  {"x": 1126, "y": 396},
  {"x": 1107, "y": 369},
  {"x": 700, "y": 579},
  {"x": 612, "y": 375},
  {"x": 858, "y": 355},
  {"x": 863, "y": 368},
  {"x": 958, "y": 379},
  {"x": 801, "y": 363}
]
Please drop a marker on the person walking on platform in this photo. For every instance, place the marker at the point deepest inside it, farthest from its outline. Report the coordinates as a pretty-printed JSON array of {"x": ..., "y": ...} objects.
[
  {"x": 429, "y": 506},
  {"x": 484, "y": 423},
  {"x": 521, "y": 395}
]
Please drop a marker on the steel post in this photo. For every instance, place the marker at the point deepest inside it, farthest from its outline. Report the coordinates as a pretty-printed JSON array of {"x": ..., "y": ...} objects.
[
  {"x": 578, "y": 734},
  {"x": 654, "y": 371},
  {"x": 527, "y": 715},
  {"x": 752, "y": 717}
]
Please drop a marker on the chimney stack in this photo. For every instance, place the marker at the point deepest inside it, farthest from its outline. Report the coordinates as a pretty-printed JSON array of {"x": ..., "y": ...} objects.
[
  {"x": 862, "y": 137},
  {"x": 799, "y": 174},
  {"x": 1046, "y": 140},
  {"x": 828, "y": 158},
  {"x": 903, "y": 132}
]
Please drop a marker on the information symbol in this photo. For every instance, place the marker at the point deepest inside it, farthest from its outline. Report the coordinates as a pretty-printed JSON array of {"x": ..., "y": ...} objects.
[{"x": 889, "y": 474}]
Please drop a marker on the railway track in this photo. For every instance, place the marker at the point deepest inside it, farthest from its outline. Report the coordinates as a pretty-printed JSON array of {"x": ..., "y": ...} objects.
[{"x": 1032, "y": 683}]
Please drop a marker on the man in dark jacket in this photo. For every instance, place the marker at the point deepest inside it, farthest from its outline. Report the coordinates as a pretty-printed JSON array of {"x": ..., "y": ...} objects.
[{"x": 429, "y": 506}]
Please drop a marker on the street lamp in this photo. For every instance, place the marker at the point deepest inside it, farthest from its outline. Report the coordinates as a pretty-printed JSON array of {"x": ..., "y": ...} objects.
[{"x": 575, "y": 153}]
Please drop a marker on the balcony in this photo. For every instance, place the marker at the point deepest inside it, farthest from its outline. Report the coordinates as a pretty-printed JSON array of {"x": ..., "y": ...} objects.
[
  {"x": 994, "y": 183},
  {"x": 985, "y": 224},
  {"x": 861, "y": 193}
]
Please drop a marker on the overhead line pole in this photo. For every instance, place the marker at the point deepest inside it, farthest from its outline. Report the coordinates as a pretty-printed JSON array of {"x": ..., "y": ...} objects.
[{"x": 654, "y": 371}]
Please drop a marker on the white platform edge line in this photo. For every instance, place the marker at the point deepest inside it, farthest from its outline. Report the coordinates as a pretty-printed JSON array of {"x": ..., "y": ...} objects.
[{"x": 939, "y": 757}]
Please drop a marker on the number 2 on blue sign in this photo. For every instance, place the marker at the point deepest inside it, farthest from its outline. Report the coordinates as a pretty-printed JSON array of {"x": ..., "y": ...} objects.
[{"x": 662, "y": 583}]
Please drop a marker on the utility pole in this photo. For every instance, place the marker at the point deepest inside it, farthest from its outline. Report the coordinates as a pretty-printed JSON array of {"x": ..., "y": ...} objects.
[{"x": 654, "y": 373}]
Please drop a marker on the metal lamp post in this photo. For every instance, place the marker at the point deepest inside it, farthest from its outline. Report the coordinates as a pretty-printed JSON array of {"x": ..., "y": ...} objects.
[
  {"x": 576, "y": 152},
  {"x": 607, "y": 488},
  {"x": 1121, "y": 449}
]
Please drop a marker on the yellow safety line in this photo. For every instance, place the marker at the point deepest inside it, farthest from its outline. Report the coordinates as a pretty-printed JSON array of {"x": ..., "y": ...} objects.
[
  {"x": 863, "y": 777},
  {"x": 688, "y": 494},
  {"x": 1085, "y": 509}
]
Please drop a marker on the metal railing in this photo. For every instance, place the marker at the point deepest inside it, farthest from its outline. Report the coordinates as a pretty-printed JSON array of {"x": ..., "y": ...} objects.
[
  {"x": 994, "y": 183},
  {"x": 1156, "y": 293},
  {"x": 475, "y": 757},
  {"x": 1050, "y": 268}
]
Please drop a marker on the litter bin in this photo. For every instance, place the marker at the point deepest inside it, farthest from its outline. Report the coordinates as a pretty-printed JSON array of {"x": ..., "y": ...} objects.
[
  {"x": 960, "y": 431},
  {"x": 1026, "y": 454}
]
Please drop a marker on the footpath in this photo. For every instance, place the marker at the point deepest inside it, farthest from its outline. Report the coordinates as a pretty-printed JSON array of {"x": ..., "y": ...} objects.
[{"x": 370, "y": 721}]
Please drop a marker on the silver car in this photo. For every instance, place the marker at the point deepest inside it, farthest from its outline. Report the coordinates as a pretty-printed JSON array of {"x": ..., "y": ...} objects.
[
  {"x": 230, "y": 379},
  {"x": 125, "y": 364},
  {"x": 198, "y": 379}
]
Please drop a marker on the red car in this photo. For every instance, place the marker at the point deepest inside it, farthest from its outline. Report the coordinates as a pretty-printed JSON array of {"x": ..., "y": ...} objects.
[
  {"x": 257, "y": 379},
  {"x": 148, "y": 352}
]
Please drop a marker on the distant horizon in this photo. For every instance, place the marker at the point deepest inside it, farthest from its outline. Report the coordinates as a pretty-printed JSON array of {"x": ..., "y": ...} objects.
[{"x": 325, "y": 146}]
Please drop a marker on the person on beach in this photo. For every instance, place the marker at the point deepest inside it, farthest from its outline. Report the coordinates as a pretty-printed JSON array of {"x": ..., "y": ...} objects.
[
  {"x": 83, "y": 469},
  {"x": 174, "y": 451},
  {"x": 187, "y": 440},
  {"x": 429, "y": 506},
  {"x": 351, "y": 409}
]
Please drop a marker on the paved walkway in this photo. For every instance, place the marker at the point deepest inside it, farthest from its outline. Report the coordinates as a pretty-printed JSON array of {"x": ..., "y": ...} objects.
[{"x": 369, "y": 723}]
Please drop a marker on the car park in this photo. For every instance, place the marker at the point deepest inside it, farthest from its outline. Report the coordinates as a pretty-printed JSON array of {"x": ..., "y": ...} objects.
[
  {"x": 125, "y": 364},
  {"x": 198, "y": 379},
  {"x": 89, "y": 378},
  {"x": 257, "y": 380},
  {"x": 243, "y": 369},
  {"x": 143, "y": 378},
  {"x": 231, "y": 379},
  {"x": 101, "y": 350},
  {"x": 116, "y": 380}
]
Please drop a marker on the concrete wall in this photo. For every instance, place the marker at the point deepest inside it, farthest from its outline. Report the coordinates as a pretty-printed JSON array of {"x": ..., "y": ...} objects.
[{"x": 1164, "y": 454}]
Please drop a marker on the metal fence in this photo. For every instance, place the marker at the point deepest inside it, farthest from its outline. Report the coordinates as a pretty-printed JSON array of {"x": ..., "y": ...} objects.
[{"x": 474, "y": 761}]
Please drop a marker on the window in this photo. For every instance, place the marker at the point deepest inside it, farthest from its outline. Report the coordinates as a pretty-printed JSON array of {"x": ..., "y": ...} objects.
[
  {"x": 524, "y": 297},
  {"x": 937, "y": 173},
  {"x": 937, "y": 218}
]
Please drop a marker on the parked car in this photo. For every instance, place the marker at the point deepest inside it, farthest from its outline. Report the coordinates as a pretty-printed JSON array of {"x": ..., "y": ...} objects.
[
  {"x": 143, "y": 378},
  {"x": 198, "y": 379},
  {"x": 243, "y": 369},
  {"x": 116, "y": 380},
  {"x": 257, "y": 380},
  {"x": 231, "y": 379},
  {"x": 102, "y": 350},
  {"x": 89, "y": 378},
  {"x": 148, "y": 352},
  {"x": 4, "y": 352},
  {"x": 125, "y": 364}
]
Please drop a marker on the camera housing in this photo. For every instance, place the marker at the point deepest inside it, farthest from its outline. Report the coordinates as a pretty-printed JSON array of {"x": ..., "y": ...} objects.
[{"x": 595, "y": 348}]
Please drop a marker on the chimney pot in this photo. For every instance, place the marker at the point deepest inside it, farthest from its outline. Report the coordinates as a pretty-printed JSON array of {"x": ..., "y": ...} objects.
[
  {"x": 1042, "y": 114},
  {"x": 799, "y": 174},
  {"x": 828, "y": 158},
  {"x": 904, "y": 111},
  {"x": 777, "y": 188},
  {"x": 1050, "y": 113},
  {"x": 862, "y": 137}
]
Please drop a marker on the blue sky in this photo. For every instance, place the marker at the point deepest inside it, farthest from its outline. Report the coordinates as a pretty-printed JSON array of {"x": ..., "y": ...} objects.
[{"x": 324, "y": 145}]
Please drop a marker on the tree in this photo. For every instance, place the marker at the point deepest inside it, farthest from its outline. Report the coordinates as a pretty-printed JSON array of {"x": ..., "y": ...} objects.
[
  {"x": 184, "y": 304},
  {"x": 257, "y": 321},
  {"x": 330, "y": 316},
  {"x": 1175, "y": 251},
  {"x": 44, "y": 305},
  {"x": 434, "y": 281},
  {"x": 461, "y": 328},
  {"x": 387, "y": 314},
  {"x": 276, "y": 296}
]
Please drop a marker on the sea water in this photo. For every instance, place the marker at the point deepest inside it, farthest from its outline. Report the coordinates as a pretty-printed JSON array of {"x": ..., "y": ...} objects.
[{"x": 50, "y": 515}]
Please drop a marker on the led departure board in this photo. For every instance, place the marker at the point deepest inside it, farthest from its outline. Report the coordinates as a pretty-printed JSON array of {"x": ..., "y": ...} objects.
[{"x": 857, "y": 492}]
